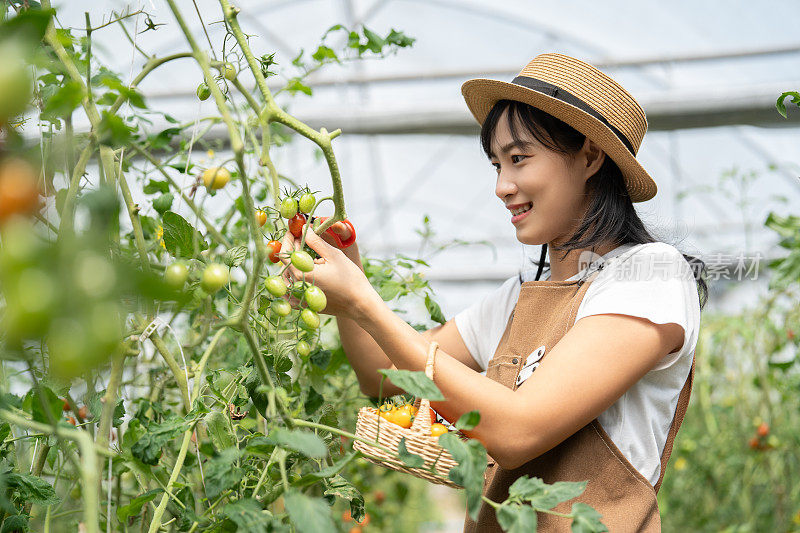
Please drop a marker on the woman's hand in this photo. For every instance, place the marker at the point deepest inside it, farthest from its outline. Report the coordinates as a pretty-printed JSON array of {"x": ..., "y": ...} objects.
[{"x": 344, "y": 283}]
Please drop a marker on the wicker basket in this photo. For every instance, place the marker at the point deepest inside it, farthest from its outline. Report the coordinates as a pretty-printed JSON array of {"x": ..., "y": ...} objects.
[{"x": 419, "y": 441}]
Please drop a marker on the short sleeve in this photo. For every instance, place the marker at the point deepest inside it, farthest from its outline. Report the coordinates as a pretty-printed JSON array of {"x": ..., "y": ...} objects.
[
  {"x": 482, "y": 324},
  {"x": 657, "y": 283}
]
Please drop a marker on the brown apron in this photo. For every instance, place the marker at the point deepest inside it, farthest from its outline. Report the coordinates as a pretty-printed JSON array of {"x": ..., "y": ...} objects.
[{"x": 626, "y": 500}]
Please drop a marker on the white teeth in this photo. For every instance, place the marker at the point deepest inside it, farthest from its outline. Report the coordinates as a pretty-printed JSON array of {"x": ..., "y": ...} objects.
[{"x": 521, "y": 209}]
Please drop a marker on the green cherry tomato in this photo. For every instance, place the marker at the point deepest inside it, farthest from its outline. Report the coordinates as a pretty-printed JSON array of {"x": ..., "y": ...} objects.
[
  {"x": 302, "y": 261},
  {"x": 315, "y": 298},
  {"x": 288, "y": 207},
  {"x": 303, "y": 348},
  {"x": 203, "y": 92},
  {"x": 176, "y": 275},
  {"x": 298, "y": 288},
  {"x": 275, "y": 286},
  {"x": 281, "y": 307},
  {"x": 307, "y": 202},
  {"x": 228, "y": 71},
  {"x": 310, "y": 318},
  {"x": 215, "y": 276}
]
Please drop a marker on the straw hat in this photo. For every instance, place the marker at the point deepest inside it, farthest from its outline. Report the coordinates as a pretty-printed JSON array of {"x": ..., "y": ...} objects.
[{"x": 583, "y": 97}]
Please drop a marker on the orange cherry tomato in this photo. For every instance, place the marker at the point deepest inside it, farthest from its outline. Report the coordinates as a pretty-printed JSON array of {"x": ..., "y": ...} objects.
[
  {"x": 763, "y": 429},
  {"x": 261, "y": 217},
  {"x": 83, "y": 412},
  {"x": 402, "y": 418},
  {"x": 438, "y": 429},
  {"x": 274, "y": 250}
]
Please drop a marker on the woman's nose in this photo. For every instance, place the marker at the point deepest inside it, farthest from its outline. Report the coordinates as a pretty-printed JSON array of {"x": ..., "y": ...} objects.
[{"x": 504, "y": 186}]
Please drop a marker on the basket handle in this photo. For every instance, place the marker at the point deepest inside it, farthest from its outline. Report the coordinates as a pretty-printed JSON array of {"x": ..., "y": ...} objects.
[{"x": 422, "y": 422}]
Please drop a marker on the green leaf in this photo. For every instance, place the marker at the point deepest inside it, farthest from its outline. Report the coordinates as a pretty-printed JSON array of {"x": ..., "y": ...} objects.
[
  {"x": 374, "y": 41},
  {"x": 32, "y": 489},
  {"x": 409, "y": 459},
  {"x": 471, "y": 459},
  {"x": 516, "y": 518},
  {"x": 544, "y": 496},
  {"x": 219, "y": 430},
  {"x": 163, "y": 203},
  {"x": 314, "y": 401},
  {"x": 299, "y": 440},
  {"x": 247, "y": 514},
  {"x": 235, "y": 256},
  {"x": 307, "y": 514},
  {"x": 179, "y": 236},
  {"x": 468, "y": 421},
  {"x": 586, "y": 520},
  {"x": 434, "y": 310},
  {"x": 295, "y": 84},
  {"x": 323, "y": 52},
  {"x": 400, "y": 39},
  {"x": 33, "y": 404},
  {"x": 29, "y": 24},
  {"x": 134, "y": 507},
  {"x": 154, "y": 186},
  {"x": 222, "y": 473},
  {"x": 113, "y": 131},
  {"x": 415, "y": 383},
  {"x": 340, "y": 487},
  {"x": 64, "y": 101},
  {"x": 148, "y": 447}
]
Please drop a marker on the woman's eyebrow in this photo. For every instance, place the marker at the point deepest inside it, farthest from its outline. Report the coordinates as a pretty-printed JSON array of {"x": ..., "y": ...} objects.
[{"x": 513, "y": 144}]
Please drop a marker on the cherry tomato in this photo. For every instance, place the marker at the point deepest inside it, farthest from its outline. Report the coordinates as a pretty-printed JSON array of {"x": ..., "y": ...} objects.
[
  {"x": 72, "y": 420},
  {"x": 288, "y": 207},
  {"x": 763, "y": 429},
  {"x": 307, "y": 202},
  {"x": 380, "y": 497},
  {"x": 309, "y": 318},
  {"x": 402, "y": 418},
  {"x": 275, "y": 286},
  {"x": 216, "y": 178},
  {"x": 296, "y": 224},
  {"x": 281, "y": 307},
  {"x": 298, "y": 287},
  {"x": 66, "y": 406},
  {"x": 83, "y": 412},
  {"x": 346, "y": 517},
  {"x": 261, "y": 217},
  {"x": 366, "y": 519},
  {"x": 388, "y": 414},
  {"x": 19, "y": 192},
  {"x": 15, "y": 80},
  {"x": 315, "y": 298},
  {"x": 275, "y": 248},
  {"x": 302, "y": 261},
  {"x": 215, "y": 276},
  {"x": 228, "y": 71},
  {"x": 355, "y": 529},
  {"x": 203, "y": 92},
  {"x": 303, "y": 348},
  {"x": 754, "y": 443},
  {"x": 438, "y": 429},
  {"x": 176, "y": 275}
]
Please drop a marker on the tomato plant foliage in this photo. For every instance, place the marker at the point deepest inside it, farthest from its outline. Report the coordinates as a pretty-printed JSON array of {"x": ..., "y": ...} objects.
[{"x": 150, "y": 379}]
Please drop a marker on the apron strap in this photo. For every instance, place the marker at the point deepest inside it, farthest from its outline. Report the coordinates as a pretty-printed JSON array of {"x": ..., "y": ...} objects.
[{"x": 680, "y": 410}]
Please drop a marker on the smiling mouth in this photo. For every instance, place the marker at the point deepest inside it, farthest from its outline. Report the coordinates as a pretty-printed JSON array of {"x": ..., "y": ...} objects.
[{"x": 524, "y": 209}]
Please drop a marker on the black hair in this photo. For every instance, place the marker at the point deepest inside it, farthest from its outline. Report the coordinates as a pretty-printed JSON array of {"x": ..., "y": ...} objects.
[{"x": 611, "y": 216}]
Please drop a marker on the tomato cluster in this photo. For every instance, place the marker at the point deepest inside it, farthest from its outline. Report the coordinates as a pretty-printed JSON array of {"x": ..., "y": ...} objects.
[{"x": 403, "y": 415}]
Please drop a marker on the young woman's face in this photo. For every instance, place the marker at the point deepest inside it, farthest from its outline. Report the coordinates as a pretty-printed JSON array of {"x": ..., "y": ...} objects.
[{"x": 551, "y": 184}]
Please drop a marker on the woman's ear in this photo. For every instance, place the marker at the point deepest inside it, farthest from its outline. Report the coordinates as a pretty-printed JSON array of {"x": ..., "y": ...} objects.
[{"x": 592, "y": 158}]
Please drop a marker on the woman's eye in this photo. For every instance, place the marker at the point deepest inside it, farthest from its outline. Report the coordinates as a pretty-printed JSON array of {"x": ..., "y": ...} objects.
[{"x": 497, "y": 165}]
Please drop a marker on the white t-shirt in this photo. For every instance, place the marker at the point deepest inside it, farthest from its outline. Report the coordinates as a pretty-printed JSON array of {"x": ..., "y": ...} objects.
[{"x": 651, "y": 281}]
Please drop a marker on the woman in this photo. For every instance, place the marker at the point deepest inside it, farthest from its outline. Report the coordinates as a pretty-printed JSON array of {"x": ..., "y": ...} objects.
[{"x": 588, "y": 372}]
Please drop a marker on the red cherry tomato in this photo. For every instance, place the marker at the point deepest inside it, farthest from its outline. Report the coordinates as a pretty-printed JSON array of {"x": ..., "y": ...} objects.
[
  {"x": 275, "y": 248},
  {"x": 296, "y": 224},
  {"x": 763, "y": 429},
  {"x": 336, "y": 237}
]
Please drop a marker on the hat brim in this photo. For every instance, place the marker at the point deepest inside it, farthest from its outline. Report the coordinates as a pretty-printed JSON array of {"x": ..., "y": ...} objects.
[{"x": 481, "y": 94}]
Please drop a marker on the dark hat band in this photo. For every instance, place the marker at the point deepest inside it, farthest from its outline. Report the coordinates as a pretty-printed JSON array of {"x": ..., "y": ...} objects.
[{"x": 557, "y": 92}]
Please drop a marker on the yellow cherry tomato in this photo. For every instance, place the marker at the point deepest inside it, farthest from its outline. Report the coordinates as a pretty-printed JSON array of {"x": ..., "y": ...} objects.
[
  {"x": 438, "y": 429},
  {"x": 216, "y": 178},
  {"x": 402, "y": 418}
]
